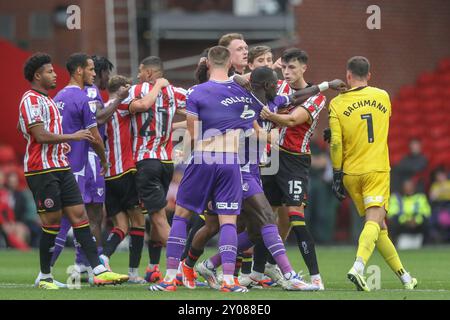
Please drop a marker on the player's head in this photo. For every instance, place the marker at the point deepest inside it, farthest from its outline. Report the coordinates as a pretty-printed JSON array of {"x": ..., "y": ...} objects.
[
  {"x": 117, "y": 81},
  {"x": 38, "y": 69},
  {"x": 238, "y": 48},
  {"x": 103, "y": 68},
  {"x": 81, "y": 67},
  {"x": 219, "y": 57},
  {"x": 150, "y": 69},
  {"x": 294, "y": 64},
  {"x": 358, "y": 70},
  {"x": 260, "y": 56},
  {"x": 202, "y": 72},
  {"x": 266, "y": 79}
]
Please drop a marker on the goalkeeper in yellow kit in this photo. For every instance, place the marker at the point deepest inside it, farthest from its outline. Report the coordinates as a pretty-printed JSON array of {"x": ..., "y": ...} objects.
[{"x": 359, "y": 123}]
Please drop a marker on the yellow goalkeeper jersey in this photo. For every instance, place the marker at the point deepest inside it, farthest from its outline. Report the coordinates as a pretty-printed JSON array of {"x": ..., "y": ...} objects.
[{"x": 359, "y": 122}]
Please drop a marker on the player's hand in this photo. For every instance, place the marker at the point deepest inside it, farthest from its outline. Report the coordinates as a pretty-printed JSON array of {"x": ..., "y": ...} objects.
[
  {"x": 66, "y": 148},
  {"x": 338, "y": 184},
  {"x": 122, "y": 93},
  {"x": 266, "y": 113},
  {"x": 242, "y": 82},
  {"x": 327, "y": 135},
  {"x": 277, "y": 64},
  {"x": 179, "y": 156},
  {"x": 337, "y": 85},
  {"x": 104, "y": 167},
  {"x": 83, "y": 135},
  {"x": 162, "y": 82}
]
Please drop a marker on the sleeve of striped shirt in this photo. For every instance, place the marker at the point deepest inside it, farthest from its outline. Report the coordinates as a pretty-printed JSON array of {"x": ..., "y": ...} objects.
[
  {"x": 131, "y": 94},
  {"x": 180, "y": 97},
  {"x": 31, "y": 110},
  {"x": 314, "y": 105}
]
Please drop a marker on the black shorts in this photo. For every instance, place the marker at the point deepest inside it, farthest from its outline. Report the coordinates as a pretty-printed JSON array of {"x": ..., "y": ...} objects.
[
  {"x": 121, "y": 194},
  {"x": 55, "y": 190},
  {"x": 153, "y": 179},
  {"x": 289, "y": 186}
]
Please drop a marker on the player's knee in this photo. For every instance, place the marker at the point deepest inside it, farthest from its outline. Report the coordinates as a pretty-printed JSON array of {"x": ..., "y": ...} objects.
[
  {"x": 182, "y": 212},
  {"x": 212, "y": 229}
]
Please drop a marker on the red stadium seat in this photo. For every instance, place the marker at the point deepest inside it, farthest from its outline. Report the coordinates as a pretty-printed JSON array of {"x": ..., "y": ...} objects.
[
  {"x": 407, "y": 92},
  {"x": 426, "y": 78}
]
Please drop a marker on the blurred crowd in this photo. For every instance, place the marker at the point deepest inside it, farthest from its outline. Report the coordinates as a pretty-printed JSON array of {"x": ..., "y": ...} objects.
[{"x": 419, "y": 208}]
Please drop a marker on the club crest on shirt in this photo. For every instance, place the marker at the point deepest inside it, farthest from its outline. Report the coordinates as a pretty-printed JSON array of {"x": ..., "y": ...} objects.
[
  {"x": 91, "y": 93},
  {"x": 48, "y": 203},
  {"x": 93, "y": 106},
  {"x": 35, "y": 110}
]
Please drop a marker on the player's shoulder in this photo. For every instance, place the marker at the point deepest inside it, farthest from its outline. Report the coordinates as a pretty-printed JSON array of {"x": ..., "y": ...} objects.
[{"x": 378, "y": 91}]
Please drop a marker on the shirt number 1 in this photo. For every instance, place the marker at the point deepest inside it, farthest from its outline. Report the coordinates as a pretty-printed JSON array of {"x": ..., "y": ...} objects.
[{"x": 368, "y": 117}]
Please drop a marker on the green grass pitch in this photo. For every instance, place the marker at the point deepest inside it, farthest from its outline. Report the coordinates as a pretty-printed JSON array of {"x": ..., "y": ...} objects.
[{"x": 429, "y": 265}]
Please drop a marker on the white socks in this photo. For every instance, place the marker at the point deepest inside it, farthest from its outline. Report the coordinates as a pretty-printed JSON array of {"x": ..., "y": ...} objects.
[
  {"x": 359, "y": 265},
  {"x": 99, "y": 269},
  {"x": 171, "y": 274}
]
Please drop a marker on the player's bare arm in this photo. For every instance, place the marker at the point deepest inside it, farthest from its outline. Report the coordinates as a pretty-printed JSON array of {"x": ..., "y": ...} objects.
[
  {"x": 179, "y": 125},
  {"x": 190, "y": 136},
  {"x": 302, "y": 95},
  {"x": 143, "y": 104},
  {"x": 296, "y": 117},
  {"x": 104, "y": 114},
  {"x": 42, "y": 136},
  {"x": 99, "y": 148}
]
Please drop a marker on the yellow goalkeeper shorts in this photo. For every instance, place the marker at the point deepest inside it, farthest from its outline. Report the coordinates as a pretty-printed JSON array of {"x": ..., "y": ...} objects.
[{"x": 368, "y": 190}]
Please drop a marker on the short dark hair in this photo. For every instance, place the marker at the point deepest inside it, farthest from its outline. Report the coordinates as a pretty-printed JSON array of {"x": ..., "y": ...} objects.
[
  {"x": 261, "y": 75},
  {"x": 102, "y": 64},
  {"x": 34, "y": 63},
  {"x": 219, "y": 55},
  {"x": 77, "y": 60},
  {"x": 295, "y": 54},
  {"x": 359, "y": 66},
  {"x": 201, "y": 72},
  {"x": 117, "y": 81},
  {"x": 226, "y": 39},
  {"x": 257, "y": 51},
  {"x": 153, "y": 61}
]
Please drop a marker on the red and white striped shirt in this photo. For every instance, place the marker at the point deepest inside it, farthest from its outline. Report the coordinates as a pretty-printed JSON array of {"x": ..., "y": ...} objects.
[
  {"x": 152, "y": 130},
  {"x": 296, "y": 139},
  {"x": 118, "y": 142},
  {"x": 37, "y": 108}
]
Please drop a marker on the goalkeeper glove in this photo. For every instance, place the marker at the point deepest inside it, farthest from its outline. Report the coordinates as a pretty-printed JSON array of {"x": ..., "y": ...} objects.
[
  {"x": 327, "y": 135},
  {"x": 338, "y": 184}
]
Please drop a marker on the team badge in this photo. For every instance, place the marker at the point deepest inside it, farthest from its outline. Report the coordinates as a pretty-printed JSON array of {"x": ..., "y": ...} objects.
[
  {"x": 48, "y": 203},
  {"x": 93, "y": 106},
  {"x": 91, "y": 93},
  {"x": 245, "y": 187}
]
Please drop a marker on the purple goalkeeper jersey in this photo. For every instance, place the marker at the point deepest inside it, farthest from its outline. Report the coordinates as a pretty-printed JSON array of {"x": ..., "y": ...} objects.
[
  {"x": 77, "y": 113},
  {"x": 221, "y": 106}
]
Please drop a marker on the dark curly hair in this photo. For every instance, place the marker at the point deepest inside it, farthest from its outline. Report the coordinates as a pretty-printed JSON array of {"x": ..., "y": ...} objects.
[
  {"x": 102, "y": 64},
  {"x": 33, "y": 64}
]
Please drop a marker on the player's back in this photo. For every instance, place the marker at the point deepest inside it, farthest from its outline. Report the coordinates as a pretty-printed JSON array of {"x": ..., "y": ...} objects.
[
  {"x": 363, "y": 114},
  {"x": 222, "y": 106}
]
